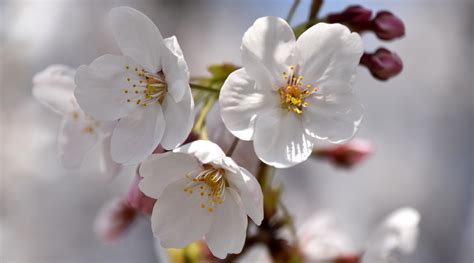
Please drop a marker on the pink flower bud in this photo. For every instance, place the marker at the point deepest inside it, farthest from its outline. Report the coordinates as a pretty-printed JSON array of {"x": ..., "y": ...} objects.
[
  {"x": 347, "y": 155},
  {"x": 383, "y": 64},
  {"x": 387, "y": 26},
  {"x": 114, "y": 219},
  {"x": 137, "y": 199},
  {"x": 354, "y": 16}
]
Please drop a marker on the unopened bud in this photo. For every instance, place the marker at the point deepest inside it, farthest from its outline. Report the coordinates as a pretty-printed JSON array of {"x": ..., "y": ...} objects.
[
  {"x": 383, "y": 64},
  {"x": 114, "y": 219},
  {"x": 353, "y": 16},
  {"x": 347, "y": 155},
  {"x": 137, "y": 199},
  {"x": 387, "y": 26}
]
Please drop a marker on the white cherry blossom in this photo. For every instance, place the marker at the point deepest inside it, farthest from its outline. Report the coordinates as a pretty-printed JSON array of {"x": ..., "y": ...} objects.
[
  {"x": 200, "y": 193},
  {"x": 146, "y": 89},
  {"x": 78, "y": 133},
  {"x": 291, "y": 92}
]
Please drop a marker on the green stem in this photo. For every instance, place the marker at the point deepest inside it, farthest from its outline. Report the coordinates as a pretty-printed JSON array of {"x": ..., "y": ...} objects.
[
  {"x": 199, "y": 126},
  {"x": 292, "y": 11},
  {"x": 204, "y": 88},
  {"x": 289, "y": 220}
]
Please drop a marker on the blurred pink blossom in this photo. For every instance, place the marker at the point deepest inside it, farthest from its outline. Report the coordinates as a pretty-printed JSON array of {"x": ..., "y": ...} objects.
[
  {"x": 347, "y": 155},
  {"x": 114, "y": 219}
]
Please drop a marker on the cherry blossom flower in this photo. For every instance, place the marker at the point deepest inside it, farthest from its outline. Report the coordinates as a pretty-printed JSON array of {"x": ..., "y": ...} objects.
[
  {"x": 134, "y": 88},
  {"x": 201, "y": 193},
  {"x": 78, "y": 132},
  {"x": 290, "y": 92}
]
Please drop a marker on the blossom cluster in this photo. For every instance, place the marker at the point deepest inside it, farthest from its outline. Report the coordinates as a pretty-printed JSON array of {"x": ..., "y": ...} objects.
[{"x": 289, "y": 94}]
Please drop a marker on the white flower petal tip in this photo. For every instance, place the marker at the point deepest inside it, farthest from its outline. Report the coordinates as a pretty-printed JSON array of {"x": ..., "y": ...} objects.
[
  {"x": 290, "y": 92},
  {"x": 146, "y": 90},
  {"x": 54, "y": 87},
  {"x": 214, "y": 196},
  {"x": 406, "y": 222}
]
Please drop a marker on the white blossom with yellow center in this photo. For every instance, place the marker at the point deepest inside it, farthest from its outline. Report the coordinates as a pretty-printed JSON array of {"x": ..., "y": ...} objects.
[
  {"x": 201, "y": 193},
  {"x": 79, "y": 132},
  {"x": 291, "y": 92},
  {"x": 146, "y": 90}
]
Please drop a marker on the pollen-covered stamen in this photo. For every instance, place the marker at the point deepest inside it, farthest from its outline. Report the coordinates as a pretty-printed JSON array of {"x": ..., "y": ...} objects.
[
  {"x": 145, "y": 88},
  {"x": 293, "y": 95},
  {"x": 208, "y": 185}
]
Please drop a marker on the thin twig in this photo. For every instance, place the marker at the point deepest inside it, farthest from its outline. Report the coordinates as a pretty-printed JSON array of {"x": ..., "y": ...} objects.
[
  {"x": 232, "y": 147},
  {"x": 313, "y": 12},
  {"x": 292, "y": 11}
]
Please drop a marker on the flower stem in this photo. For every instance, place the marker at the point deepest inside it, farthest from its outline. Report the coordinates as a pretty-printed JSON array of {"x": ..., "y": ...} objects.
[
  {"x": 232, "y": 147},
  {"x": 289, "y": 221},
  {"x": 204, "y": 88},
  {"x": 199, "y": 126},
  {"x": 292, "y": 11}
]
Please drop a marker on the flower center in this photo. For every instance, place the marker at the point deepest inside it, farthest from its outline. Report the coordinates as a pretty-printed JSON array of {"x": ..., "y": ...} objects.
[
  {"x": 293, "y": 95},
  {"x": 211, "y": 184},
  {"x": 145, "y": 88}
]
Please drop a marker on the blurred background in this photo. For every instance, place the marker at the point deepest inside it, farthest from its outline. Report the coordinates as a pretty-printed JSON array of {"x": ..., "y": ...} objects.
[{"x": 420, "y": 122}]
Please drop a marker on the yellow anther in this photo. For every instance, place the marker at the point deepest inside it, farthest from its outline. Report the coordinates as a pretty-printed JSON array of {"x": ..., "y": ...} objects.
[
  {"x": 203, "y": 205},
  {"x": 308, "y": 86},
  {"x": 210, "y": 209},
  {"x": 88, "y": 129},
  {"x": 185, "y": 189},
  {"x": 292, "y": 67},
  {"x": 136, "y": 92},
  {"x": 202, "y": 193},
  {"x": 128, "y": 79},
  {"x": 190, "y": 191},
  {"x": 136, "y": 69},
  {"x": 138, "y": 101},
  {"x": 145, "y": 104},
  {"x": 75, "y": 115},
  {"x": 128, "y": 100},
  {"x": 127, "y": 67}
]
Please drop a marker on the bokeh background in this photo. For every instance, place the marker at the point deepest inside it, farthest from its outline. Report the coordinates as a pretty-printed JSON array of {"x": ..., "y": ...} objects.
[{"x": 421, "y": 123}]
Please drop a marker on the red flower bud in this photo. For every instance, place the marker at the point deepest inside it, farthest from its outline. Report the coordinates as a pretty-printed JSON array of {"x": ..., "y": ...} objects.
[
  {"x": 383, "y": 64},
  {"x": 355, "y": 16},
  {"x": 114, "y": 219},
  {"x": 347, "y": 155},
  {"x": 137, "y": 199},
  {"x": 387, "y": 26}
]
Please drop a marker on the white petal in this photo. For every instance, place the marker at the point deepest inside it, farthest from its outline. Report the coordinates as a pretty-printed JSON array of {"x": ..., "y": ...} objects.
[
  {"x": 250, "y": 192},
  {"x": 228, "y": 231},
  {"x": 76, "y": 137},
  {"x": 280, "y": 140},
  {"x": 101, "y": 87},
  {"x": 398, "y": 233},
  {"x": 205, "y": 151},
  {"x": 107, "y": 165},
  {"x": 137, "y": 37},
  {"x": 178, "y": 218},
  {"x": 175, "y": 69},
  {"x": 322, "y": 239},
  {"x": 137, "y": 135},
  {"x": 267, "y": 49},
  {"x": 335, "y": 118},
  {"x": 54, "y": 88},
  {"x": 241, "y": 101},
  {"x": 179, "y": 119},
  {"x": 159, "y": 170},
  {"x": 329, "y": 53}
]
